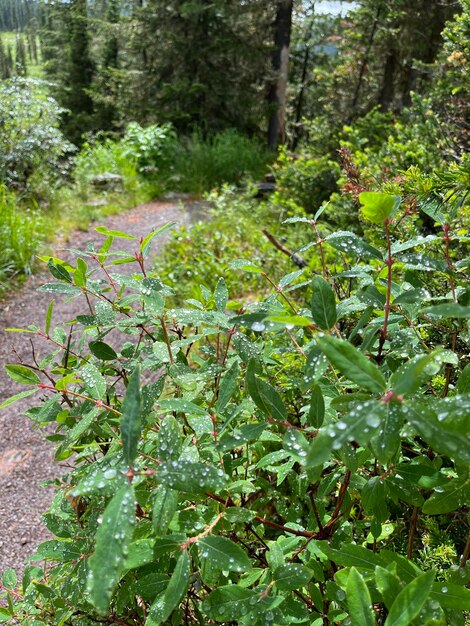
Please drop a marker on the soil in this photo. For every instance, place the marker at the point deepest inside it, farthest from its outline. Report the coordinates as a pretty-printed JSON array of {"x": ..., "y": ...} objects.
[{"x": 26, "y": 458}]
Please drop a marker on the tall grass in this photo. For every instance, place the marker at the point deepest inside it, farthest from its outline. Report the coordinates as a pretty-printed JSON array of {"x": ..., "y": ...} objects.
[{"x": 21, "y": 231}]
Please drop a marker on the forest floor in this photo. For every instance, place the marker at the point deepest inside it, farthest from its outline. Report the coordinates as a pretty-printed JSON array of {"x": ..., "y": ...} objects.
[{"x": 26, "y": 458}]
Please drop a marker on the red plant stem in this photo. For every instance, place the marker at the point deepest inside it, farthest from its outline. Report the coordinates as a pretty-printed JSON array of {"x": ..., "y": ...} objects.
[
  {"x": 320, "y": 246},
  {"x": 411, "y": 536},
  {"x": 466, "y": 553},
  {"x": 167, "y": 339},
  {"x": 99, "y": 403},
  {"x": 447, "y": 239},
  {"x": 281, "y": 293}
]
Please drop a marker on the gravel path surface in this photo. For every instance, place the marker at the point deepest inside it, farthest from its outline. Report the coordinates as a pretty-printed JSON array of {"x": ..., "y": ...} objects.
[{"x": 26, "y": 459}]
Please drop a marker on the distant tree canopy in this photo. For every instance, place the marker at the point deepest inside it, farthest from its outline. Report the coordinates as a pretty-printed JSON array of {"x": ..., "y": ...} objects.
[{"x": 216, "y": 64}]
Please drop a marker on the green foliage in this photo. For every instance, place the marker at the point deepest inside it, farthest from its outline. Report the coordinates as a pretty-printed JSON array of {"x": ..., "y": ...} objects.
[
  {"x": 21, "y": 230},
  {"x": 32, "y": 148},
  {"x": 286, "y": 463},
  {"x": 305, "y": 181}
]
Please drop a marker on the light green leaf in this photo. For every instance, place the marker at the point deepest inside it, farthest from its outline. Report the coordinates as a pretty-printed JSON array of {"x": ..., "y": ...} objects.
[
  {"x": 290, "y": 576},
  {"x": 360, "y": 424},
  {"x": 388, "y": 584},
  {"x": 113, "y": 233},
  {"x": 169, "y": 440},
  {"x": 377, "y": 207},
  {"x": 349, "y": 243},
  {"x": 190, "y": 476},
  {"x": 145, "y": 245},
  {"x": 359, "y": 600},
  {"x": 352, "y": 363},
  {"x": 167, "y": 601},
  {"x": 16, "y": 397},
  {"x": 411, "y": 375},
  {"x": 131, "y": 421},
  {"x": 450, "y": 309},
  {"x": 93, "y": 381},
  {"x": 22, "y": 374},
  {"x": 266, "y": 398},
  {"x": 323, "y": 304},
  {"x": 224, "y": 554},
  {"x": 113, "y": 537},
  {"x": 50, "y": 308},
  {"x": 463, "y": 384},
  {"x": 410, "y": 601},
  {"x": 221, "y": 295}
]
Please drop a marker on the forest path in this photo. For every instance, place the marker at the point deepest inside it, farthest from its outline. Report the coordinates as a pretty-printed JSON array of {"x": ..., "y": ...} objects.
[{"x": 26, "y": 459}]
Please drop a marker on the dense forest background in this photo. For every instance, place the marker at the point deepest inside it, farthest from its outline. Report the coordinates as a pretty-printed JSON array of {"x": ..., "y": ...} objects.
[{"x": 303, "y": 456}]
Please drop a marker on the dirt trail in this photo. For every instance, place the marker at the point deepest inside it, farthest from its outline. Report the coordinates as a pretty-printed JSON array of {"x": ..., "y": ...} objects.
[{"x": 26, "y": 459}]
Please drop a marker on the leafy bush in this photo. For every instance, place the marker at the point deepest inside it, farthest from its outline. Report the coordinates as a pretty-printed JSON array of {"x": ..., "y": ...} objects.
[
  {"x": 278, "y": 465},
  {"x": 198, "y": 254},
  {"x": 305, "y": 181},
  {"x": 32, "y": 148}
]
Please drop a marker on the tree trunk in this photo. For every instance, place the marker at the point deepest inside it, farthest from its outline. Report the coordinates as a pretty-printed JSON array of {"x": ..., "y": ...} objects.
[
  {"x": 387, "y": 93},
  {"x": 280, "y": 60}
]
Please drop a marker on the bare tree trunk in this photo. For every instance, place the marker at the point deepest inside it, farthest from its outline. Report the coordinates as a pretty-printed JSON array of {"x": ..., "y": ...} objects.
[
  {"x": 280, "y": 61},
  {"x": 387, "y": 93},
  {"x": 363, "y": 66}
]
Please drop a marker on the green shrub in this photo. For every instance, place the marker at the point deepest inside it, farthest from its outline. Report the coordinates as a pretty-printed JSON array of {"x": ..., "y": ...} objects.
[
  {"x": 33, "y": 151},
  {"x": 200, "y": 253},
  {"x": 305, "y": 181},
  {"x": 276, "y": 465}
]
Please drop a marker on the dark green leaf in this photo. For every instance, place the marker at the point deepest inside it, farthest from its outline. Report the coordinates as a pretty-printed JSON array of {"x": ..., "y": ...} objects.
[
  {"x": 349, "y": 243},
  {"x": 113, "y": 537},
  {"x": 58, "y": 271},
  {"x": 22, "y": 374},
  {"x": 167, "y": 601},
  {"x": 266, "y": 398},
  {"x": 386, "y": 442},
  {"x": 323, "y": 304},
  {"x": 463, "y": 384},
  {"x": 102, "y": 351},
  {"x": 352, "y": 363},
  {"x": 131, "y": 420},
  {"x": 448, "y": 498},
  {"x": 224, "y": 554},
  {"x": 359, "y": 600},
  {"x": 316, "y": 411},
  {"x": 229, "y": 603},
  {"x": 228, "y": 386},
  {"x": 360, "y": 424},
  {"x": 410, "y": 601},
  {"x": 164, "y": 507}
]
